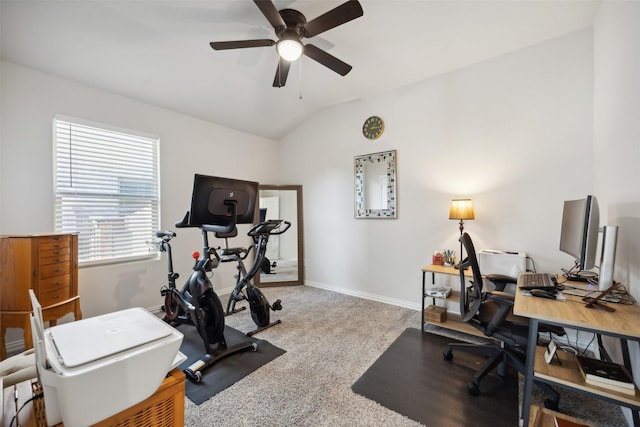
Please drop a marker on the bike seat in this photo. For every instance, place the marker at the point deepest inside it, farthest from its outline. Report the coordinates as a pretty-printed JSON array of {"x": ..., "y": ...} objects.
[{"x": 231, "y": 251}]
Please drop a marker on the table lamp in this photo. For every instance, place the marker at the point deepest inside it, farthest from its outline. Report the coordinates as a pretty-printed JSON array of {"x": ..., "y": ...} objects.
[{"x": 461, "y": 209}]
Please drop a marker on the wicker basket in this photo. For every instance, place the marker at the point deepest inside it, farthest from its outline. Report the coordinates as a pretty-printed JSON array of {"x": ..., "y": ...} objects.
[{"x": 165, "y": 408}]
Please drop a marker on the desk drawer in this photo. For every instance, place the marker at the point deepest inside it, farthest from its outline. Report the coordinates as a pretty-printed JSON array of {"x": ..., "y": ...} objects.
[
  {"x": 54, "y": 270},
  {"x": 53, "y": 297}
]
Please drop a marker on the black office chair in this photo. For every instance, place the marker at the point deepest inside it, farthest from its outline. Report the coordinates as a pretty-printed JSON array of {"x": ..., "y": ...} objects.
[{"x": 492, "y": 314}]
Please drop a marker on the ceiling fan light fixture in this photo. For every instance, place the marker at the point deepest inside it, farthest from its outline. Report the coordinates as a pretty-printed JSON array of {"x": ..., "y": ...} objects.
[{"x": 289, "y": 49}]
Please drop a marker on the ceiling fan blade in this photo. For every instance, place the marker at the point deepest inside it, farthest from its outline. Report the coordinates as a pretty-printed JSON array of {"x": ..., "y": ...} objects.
[
  {"x": 240, "y": 44},
  {"x": 327, "y": 59},
  {"x": 281, "y": 73},
  {"x": 344, "y": 13},
  {"x": 270, "y": 12}
]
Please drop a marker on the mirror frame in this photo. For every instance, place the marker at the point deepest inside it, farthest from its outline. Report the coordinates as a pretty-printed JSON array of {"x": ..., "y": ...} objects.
[
  {"x": 361, "y": 210},
  {"x": 300, "y": 226}
]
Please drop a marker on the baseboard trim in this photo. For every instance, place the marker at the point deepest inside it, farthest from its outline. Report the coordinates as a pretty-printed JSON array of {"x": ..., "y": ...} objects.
[{"x": 365, "y": 295}]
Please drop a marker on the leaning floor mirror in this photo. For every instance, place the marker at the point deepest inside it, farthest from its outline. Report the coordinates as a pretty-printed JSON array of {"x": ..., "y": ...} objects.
[
  {"x": 375, "y": 185},
  {"x": 285, "y": 265}
]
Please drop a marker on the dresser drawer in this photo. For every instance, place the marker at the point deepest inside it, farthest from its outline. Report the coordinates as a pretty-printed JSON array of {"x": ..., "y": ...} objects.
[
  {"x": 54, "y": 270},
  {"x": 53, "y": 297},
  {"x": 54, "y": 242},
  {"x": 54, "y": 283},
  {"x": 57, "y": 256}
]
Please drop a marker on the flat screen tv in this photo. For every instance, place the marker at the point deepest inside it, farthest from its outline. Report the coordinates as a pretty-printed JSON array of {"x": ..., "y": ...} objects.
[
  {"x": 213, "y": 199},
  {"x": 579, "y": 232}
]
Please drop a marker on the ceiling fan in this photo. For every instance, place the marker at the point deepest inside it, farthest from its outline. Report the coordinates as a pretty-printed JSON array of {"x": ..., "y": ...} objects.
[{"x": 291, "y": 27}]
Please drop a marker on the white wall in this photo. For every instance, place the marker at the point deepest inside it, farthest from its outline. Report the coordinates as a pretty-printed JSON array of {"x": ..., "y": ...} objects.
[
  {"x": 517, "y": 133},
  {"x": 617, "y": 130},
  {"x": 617, "y": 140},
  {"x": 514, "y": 133},
  {"x": 30, "y": 99}
]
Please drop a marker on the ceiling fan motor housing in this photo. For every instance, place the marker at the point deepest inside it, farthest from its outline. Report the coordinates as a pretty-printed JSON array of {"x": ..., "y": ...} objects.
[
  {"x": 290, "y": 27},
  {"x": 294, "y": 20}
]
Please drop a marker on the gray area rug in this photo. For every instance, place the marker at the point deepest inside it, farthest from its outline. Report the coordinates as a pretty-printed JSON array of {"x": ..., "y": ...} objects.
[
  {"x": 228, "y": 370},
  {"x": 331, "y": 340}
]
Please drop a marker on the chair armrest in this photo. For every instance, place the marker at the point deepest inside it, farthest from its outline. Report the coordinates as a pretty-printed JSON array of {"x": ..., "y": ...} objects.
[
  {"x": 504, "y": 305},
  {"x": 501, "y": 298},
  {"x": 500, "y": 280}
]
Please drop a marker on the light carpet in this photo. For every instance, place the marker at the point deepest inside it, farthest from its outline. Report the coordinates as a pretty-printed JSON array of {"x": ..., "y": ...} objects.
[{"x": 331, "y": 340}]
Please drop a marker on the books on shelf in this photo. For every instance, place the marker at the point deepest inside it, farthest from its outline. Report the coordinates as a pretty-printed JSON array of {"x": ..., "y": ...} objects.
[
  {"x": 605, "y": 374},
  {"x": 438, "y": 292}
]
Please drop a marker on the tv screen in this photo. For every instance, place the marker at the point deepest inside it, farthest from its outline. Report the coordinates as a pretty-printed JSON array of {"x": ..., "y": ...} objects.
[
  {"x": 579, "y": 233},
  {"x": 212, "y": 199}
]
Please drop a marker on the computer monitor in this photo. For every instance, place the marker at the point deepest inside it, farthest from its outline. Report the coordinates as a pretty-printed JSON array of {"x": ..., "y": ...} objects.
[
  {"x": 579, "y": 233},
  {"x": 210, "y": 201}
]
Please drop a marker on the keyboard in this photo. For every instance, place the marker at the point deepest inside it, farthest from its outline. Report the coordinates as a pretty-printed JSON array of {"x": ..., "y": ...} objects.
[{"x": 536, "y": 281}]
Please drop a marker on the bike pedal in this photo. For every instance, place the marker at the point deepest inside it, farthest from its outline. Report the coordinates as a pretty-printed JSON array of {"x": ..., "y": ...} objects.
[{"x": 276, "y": 305}]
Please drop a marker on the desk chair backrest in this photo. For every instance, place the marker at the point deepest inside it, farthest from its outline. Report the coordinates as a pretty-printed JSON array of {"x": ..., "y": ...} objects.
[{"x": 471, "y": 296}]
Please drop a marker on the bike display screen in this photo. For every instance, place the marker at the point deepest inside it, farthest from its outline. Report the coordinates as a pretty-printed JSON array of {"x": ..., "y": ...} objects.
[{"x": 213, "y": 198}]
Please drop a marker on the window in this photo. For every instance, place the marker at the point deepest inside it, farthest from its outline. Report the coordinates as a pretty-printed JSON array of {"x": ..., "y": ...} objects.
[{"x": 106, "y": 189}]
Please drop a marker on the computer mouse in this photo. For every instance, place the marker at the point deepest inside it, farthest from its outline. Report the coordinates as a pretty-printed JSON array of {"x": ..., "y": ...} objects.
[{"x": 543, "y": 294}]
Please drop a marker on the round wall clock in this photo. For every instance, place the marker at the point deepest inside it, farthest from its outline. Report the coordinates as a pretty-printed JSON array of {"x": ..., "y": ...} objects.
[{"x": 373, "y": 127}]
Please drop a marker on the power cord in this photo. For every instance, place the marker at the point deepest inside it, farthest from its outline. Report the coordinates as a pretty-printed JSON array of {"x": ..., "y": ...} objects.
[
  {"x": 620, "y": 295},
  {"x": 568, "y": 346},
  {"x": 32, "y": 398}
]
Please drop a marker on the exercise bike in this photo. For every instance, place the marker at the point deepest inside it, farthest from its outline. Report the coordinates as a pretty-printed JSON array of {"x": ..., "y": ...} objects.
[
  {"x": 245, "y": 290},
  {"x": 197, "y": 303}
]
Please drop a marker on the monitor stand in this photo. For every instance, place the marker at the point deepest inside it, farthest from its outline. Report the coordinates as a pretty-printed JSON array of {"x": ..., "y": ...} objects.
[{"x": 595, "y": 302}]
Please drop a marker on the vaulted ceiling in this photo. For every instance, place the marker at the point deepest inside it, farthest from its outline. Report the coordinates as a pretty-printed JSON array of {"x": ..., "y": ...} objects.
[{"x": 157, "y": 51}]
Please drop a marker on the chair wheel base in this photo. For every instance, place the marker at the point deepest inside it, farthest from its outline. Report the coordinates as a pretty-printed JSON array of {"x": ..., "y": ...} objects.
[
  {"x": 473, "y": 388},
  {"x": 551, "y": 404}
]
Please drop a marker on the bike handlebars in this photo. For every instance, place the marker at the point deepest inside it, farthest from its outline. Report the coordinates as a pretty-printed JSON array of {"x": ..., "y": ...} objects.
[
  {"x": 213, "y": 228},
  {"x": 269, "y": 227},
  {"x": 165, "y": 235}
]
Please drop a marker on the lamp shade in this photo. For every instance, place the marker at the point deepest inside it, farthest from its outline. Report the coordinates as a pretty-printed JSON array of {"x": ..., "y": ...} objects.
[{"x": 461, "y": 209}]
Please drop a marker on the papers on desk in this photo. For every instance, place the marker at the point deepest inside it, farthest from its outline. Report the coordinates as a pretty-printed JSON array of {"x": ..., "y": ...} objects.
[
  {"x": 577, "y": 292},
  {"x": 438, "y": 292}
]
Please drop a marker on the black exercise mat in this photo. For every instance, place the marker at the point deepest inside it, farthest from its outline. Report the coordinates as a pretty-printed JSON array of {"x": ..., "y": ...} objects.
[
  {"x": 412, "y": 378},
  {"x": 226, "y": 371}
]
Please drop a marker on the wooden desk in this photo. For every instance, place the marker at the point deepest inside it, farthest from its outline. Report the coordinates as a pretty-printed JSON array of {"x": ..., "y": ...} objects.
[
  {"x": 572, "y": 313},
  {"x": 453, "y": 320}
]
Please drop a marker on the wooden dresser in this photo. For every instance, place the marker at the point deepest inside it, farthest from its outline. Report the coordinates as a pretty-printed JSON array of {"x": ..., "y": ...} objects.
[{"x": 46, "y": 263}]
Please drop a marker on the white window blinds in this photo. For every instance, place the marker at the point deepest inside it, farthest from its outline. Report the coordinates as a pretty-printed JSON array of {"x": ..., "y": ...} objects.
[{"x": 106, "y": 189}]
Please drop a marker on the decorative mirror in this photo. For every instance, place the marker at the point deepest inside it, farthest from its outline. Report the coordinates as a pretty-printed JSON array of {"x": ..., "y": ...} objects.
[
  {"x": 375, "y": 179},
  {"x": 284, "y": 251}
]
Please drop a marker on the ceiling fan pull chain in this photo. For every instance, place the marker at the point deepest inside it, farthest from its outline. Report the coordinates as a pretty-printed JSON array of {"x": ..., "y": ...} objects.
[
  {"x": 290, "y": 27},
  {"x": 300, "y": 61}
]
